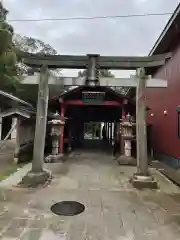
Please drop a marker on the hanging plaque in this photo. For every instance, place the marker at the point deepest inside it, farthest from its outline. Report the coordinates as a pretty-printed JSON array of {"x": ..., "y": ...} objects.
[{"x": 93, "y": 97}]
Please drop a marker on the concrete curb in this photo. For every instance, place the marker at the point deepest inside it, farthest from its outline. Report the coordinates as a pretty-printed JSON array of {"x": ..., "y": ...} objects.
[{"x": 16, "y": 177}]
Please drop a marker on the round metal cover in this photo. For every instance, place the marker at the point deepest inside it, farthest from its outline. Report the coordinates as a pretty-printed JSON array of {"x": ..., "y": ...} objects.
[{"x": 67, "y": 208}]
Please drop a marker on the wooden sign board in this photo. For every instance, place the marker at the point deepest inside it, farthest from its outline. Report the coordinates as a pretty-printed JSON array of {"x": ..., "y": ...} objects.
[{"x": 95, "y": 97}]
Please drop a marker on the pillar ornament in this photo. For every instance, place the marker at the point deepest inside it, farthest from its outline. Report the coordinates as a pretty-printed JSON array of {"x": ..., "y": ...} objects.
[
  {"x": 57, "y": 124},
  {"x": 126, "y": 129}
]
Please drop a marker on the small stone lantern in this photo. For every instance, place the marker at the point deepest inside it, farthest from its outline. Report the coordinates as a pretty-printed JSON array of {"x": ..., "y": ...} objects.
[
  {"x": 56, "y": 128},
  {"x": 126, "y": 137}
]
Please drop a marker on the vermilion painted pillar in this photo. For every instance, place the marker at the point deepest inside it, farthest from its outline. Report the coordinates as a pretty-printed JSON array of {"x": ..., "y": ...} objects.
[
  {"x": 61, "y": 140},
  {"x": 123, "y": 112}
]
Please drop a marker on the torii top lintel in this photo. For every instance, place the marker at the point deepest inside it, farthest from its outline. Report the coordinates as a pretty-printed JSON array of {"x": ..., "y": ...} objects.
[{"x": 104, "y": 62}]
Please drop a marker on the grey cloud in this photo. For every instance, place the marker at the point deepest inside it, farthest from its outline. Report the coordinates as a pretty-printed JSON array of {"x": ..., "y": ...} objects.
[{"x": 123, "y": 36}]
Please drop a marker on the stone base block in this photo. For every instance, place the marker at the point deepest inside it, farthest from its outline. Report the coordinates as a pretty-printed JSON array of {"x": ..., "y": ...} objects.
[
  {"x": 124, "y": 160},
  {"x": 33, "y": 180},
  {"x": 54, "y": 158},
  {"x": 140, "y": 181}
]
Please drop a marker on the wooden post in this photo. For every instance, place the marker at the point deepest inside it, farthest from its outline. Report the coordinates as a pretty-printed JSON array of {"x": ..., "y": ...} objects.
[
  {"x": 14, "y": 122},
  {"x": 38, "y": 175},
  {"x": 17, "y": 147},
  {"x": 142, "y": 178},
  {"x": 109, "y": 128},
  {"x": 111, "y": 131}
]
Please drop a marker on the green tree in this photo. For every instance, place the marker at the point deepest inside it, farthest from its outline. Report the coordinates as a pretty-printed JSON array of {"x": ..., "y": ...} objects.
[{"x": 8, "y": 70}]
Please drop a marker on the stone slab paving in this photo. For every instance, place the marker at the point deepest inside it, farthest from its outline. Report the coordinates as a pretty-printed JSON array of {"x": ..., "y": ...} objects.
[{"x": 114, "y": 209}]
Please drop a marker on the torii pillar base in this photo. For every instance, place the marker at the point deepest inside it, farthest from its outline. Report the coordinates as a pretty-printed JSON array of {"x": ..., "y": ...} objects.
[
  {"x": 33, "y": 179},
  {"x": 141, "y": 181},
  {"x": 126, "y": 160}
]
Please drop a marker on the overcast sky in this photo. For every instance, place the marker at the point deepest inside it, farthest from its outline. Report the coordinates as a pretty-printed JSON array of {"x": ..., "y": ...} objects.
[{"x": 123, "y": 36}]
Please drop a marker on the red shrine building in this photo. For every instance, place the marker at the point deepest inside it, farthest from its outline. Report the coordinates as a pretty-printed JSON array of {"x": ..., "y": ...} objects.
[
  {"x": 96, "y": 105},
  {"x": 164, "y": 103}
]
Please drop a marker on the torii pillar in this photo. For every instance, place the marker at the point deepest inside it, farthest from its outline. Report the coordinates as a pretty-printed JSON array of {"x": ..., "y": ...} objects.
[
  {"x": 37, "y": 175},
  {"x": 142, "y": 178}
]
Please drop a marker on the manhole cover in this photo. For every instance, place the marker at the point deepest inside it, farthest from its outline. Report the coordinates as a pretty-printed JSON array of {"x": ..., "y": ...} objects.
[{"x": 67, "y": 208}]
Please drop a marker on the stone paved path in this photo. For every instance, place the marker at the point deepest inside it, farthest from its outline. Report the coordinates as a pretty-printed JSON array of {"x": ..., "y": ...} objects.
[{"x": 114, "y": 210}]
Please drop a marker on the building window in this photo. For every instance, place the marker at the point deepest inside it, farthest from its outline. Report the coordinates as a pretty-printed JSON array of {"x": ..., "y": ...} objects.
[{"x": 178, "y": 115}]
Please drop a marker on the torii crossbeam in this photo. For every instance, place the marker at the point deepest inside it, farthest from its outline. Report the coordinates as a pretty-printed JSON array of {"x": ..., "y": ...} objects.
[
  {"x": 108, "y": 82},
  {"x": 103, "y": 62}
]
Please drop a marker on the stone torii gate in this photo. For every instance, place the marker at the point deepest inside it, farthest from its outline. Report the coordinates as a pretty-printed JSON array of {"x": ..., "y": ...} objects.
[{"x": 93, "y": 63}]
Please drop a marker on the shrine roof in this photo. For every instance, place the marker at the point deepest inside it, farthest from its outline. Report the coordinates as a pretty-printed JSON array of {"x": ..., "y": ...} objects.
[
  {"x": 169, "y": 38},
  {"x": 77, "y": 90},
  {"x": 8, "y": 100}
]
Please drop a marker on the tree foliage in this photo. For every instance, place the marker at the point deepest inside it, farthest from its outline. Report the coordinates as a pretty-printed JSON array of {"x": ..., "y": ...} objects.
[
  {"x": 11, "y": 65},
  {"x": 8, "y": 70},
  {"x": 35, "y": 46}
]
